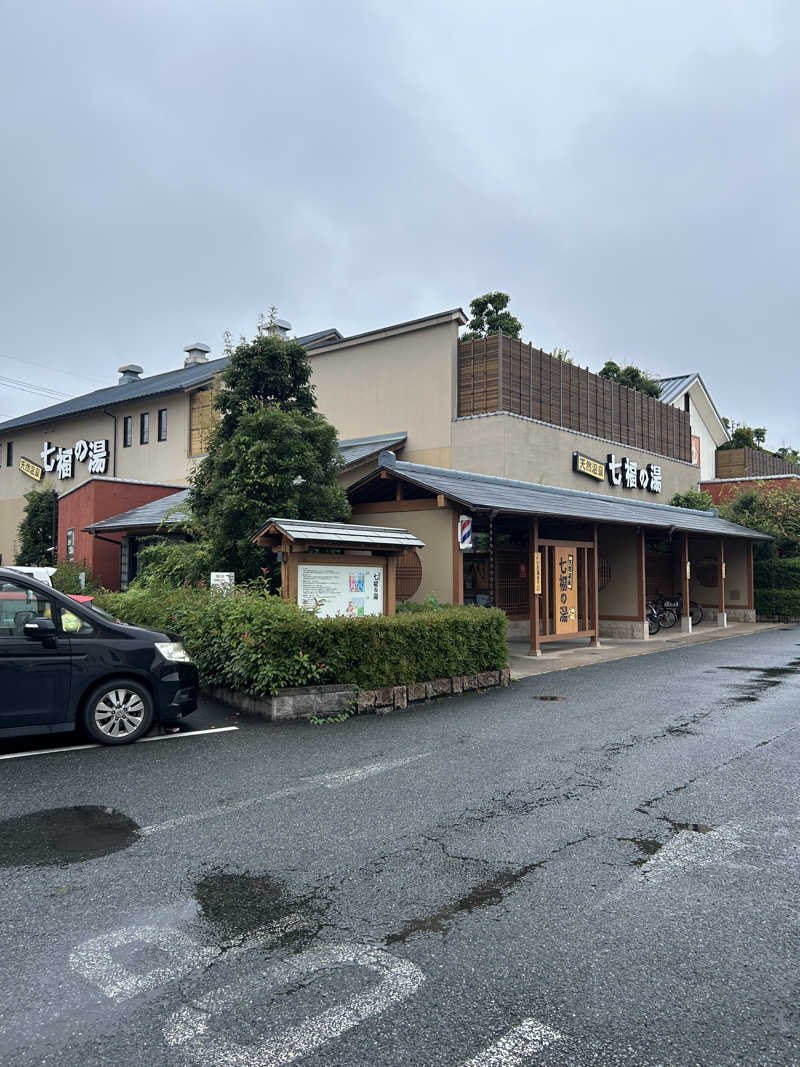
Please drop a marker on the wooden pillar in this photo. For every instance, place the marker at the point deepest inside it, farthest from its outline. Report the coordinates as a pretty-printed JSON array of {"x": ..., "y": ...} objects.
[
  {"x": 722, "y": 615},
  {"x": 749, "y": 566},
  {"x": 595, "y": 591},
  {"x": 583, "y": 553},
  {"x": 536, "y": 648},
  {"x": 641, "y": 576},
  {"x": 458, "y": 565},
  {"x": 545, "y": 605},
  {"x": 390, "y": 584},
  {"x": 686, "y": 618}
]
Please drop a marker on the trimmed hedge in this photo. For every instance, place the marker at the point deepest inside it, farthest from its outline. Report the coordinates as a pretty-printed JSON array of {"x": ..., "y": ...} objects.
[
  {"x": 777, "y": 587},
  {"x": 257, "y": 643},
  {"x": 777, "y": 574}
]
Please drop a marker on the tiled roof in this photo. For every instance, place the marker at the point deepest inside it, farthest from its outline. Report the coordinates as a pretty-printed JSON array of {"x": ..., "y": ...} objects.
[
  {"x": 170, "y": 507},
  {"x": 342, "y": 532},
  {"x": 672, "y": 388},
  {"x": 482, "y": 492},
  {"x": 358, "y": 449}
]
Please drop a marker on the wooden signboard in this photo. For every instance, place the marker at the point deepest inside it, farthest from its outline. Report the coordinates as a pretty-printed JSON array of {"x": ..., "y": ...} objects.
[
  {"x": 537, "y": 573},
  {"x": 565, "y": 587}
]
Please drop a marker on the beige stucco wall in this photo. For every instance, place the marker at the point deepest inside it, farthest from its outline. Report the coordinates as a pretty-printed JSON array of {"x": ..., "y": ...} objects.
[
  {"x": 435, "y": 528},
  {"x": 511, "y": 447},
  {"x": 159, "y": 461},
  {"x": 404, "y": 382},
  {"x": 618, "y": 545}
]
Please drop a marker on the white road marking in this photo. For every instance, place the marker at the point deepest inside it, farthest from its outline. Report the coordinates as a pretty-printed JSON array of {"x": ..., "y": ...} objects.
[
  {"x": 189, "y": 1030},
  {"x": 305, "y": 785},
  {"x": 95, "y": 962},
  {"x": 516, "y": 1046},
  {"x": 141, "y": 741}
]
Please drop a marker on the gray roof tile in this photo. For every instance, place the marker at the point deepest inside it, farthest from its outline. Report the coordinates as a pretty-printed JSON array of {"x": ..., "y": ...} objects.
[
  {"x": 170, "y": 507},
  {"x": 358, "y": 449},
  {"x": 484, "y": 493},
  {"x": 342, "y": 532}
]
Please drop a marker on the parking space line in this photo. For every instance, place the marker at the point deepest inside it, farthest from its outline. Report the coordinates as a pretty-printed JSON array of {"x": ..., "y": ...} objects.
[
  {"x": 305, "y": 785},
  {"x": 141, "y": 741},
  {"x": 516, "y": 1046}
]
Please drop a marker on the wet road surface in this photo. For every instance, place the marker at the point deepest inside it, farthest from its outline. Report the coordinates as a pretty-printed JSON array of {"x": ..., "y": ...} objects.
[{"x": 610, "y": 877}]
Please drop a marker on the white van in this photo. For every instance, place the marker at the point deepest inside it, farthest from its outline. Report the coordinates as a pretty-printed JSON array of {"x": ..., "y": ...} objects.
[{"x": 41, "y": 574}]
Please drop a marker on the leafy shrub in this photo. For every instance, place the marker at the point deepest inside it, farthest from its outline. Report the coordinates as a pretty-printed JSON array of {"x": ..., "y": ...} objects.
[
  {"x": 777, "y": 574},
  {"x": 66, "y": 578},
  {"x": 252, "y": 641},
  {"x": 777, "y": 587}
]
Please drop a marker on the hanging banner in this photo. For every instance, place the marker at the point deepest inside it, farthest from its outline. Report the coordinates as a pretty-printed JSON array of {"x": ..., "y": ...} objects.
[
  {"x": 537, "y": 573},
  {"x": 565, "y": 587}
]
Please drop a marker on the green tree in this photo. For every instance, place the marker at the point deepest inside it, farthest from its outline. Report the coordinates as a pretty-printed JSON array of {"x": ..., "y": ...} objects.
[
  {"x": 697, "y": 500},
  {"x": 489, "y": 315},
  {"x": 772, "y": 510},
  {"x": 270, "y": 455},
  {"x": 562, "y": 354},
  {"x": 631, "y": 376},
  {"x": 791, "y": 455},
  {"x": 35, "y": 532}
]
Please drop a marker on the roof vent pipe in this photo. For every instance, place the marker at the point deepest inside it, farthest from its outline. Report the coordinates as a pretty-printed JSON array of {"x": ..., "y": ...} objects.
[
  {"x": 131, "y": 372},
  {"x": 197, "y": 352}
]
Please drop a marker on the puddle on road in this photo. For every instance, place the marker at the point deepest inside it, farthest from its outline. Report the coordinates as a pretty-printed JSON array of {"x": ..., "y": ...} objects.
[
  {"x": 548, "y": 698},
  {"x": 648, "y": 846},
  {"x": 762, "y": 681},
  {"x": 235, "y": 904},
  {"x": 59, "y": 836}
]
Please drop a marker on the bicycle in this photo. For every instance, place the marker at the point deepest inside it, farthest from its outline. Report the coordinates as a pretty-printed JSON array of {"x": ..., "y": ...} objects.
[
  {"x": 664, "y": 618},
  {"x": 674, "y": 605}
]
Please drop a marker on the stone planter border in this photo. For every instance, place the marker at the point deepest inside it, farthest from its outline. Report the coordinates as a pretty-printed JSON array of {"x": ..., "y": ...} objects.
[{"x": 319, "y": 701}]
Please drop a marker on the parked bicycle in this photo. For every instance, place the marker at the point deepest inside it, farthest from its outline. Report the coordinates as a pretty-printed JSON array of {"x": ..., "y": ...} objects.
[
  {"x": 659, "y": 617},
  {"x": 674, "y": 604}
]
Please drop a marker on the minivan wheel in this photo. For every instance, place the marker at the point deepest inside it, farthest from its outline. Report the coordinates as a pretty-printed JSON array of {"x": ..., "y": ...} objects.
[{"x": 118, "y": 711}]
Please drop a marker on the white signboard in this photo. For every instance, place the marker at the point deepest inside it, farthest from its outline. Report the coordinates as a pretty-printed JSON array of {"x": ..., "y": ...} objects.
[
  {"x": 62, "y": 460},
  {"x": 223, "y": 580},
  {"x": 350, "y": 590}
]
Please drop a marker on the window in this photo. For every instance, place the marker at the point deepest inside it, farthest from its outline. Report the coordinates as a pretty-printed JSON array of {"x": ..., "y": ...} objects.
[
  {"x": 144, "y": 427},
  {"x": 71, "y": 544},
  {"x": 162, "y": 424},
  {"x": 10, "y": 454},
  {"x": 127, "y": 431},
  {"x": 19, "y": 605}
]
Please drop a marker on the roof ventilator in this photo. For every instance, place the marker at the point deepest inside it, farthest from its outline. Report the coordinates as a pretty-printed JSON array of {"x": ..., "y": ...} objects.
[
  {"x": 131, "y": 372},
  {"x": 197, "y": 352}
]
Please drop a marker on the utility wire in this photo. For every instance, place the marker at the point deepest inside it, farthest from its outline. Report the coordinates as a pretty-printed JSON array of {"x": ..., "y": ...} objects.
[
  {"x": 53, "y": 370},
  {"x": 29, "y": 387}
]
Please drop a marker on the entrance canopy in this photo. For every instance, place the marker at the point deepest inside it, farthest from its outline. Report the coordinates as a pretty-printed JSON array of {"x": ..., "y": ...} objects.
[{"x": 482, "y": 492}]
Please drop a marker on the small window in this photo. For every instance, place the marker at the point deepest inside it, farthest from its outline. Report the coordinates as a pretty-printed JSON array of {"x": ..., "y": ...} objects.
[
  {"x": 18, "y": 605},
  {"x": 162, "y": 424},
  {"x": 686, "y": 404},
  {"x": 127, "y": 431},
  {"x": 10, "y": 454},
  {"x": 144, "y": 428},
  {"x": 71, "y": 544}
]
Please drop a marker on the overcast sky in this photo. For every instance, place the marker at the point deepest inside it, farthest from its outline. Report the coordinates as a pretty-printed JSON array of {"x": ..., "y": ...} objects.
[{"x": 628, "y": 172}]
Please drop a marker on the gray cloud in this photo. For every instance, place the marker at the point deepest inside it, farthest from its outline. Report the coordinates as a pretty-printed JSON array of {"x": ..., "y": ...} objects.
[{"x": 627, "y": 172}]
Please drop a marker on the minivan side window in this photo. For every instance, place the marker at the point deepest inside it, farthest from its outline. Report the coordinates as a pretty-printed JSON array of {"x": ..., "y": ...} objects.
[
  {"x": 18, "y": 605},
  {"x": 75, "y": 625}
]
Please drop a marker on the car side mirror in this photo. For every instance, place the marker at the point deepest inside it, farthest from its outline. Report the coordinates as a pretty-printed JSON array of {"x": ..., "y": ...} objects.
[{"x": 39, "y": 629}]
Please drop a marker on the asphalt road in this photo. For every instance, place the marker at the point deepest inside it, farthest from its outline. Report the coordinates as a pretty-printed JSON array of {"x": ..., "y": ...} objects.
[{"x": 609, "y": 876}]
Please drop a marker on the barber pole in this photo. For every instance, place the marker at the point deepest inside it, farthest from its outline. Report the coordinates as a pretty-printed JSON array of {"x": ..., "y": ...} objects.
[{"x": 464, "y": 532}]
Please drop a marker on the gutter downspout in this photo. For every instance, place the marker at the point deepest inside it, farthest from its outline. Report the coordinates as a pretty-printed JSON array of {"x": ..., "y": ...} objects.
[{"x": 114, "y": 461}]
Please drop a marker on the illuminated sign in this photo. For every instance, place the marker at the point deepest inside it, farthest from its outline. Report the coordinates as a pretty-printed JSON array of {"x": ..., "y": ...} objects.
[
  {"x": 586, "y": 465},
  {"x": 33, "y": 470}
]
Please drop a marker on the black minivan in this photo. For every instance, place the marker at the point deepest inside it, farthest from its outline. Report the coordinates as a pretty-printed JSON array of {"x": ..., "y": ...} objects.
[{"x": 66, "y": 665}]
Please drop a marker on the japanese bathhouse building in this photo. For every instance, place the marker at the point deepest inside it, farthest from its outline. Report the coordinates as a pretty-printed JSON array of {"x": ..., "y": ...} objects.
[{"x": 555, "y": 466}]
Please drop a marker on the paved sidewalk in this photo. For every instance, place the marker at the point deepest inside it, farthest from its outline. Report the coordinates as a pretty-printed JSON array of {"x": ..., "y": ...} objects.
[{"x": 563, "y": 655}]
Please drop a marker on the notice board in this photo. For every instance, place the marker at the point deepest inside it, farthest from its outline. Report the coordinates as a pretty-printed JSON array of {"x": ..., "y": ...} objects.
[
  {"x": 348, "y": 589},
  {"x": 565, "y": 587}
]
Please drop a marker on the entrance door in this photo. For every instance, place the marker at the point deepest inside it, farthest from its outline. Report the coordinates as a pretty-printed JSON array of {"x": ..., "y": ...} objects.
[{"x": 34, "y": 674}]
